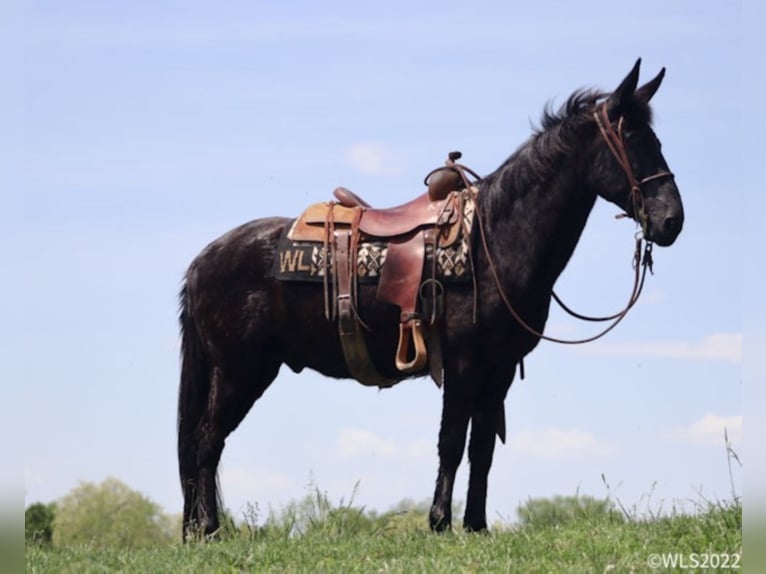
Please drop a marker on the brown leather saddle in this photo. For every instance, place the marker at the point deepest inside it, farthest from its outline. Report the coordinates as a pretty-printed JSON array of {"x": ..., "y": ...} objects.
[{"x": 434, "y": 219}]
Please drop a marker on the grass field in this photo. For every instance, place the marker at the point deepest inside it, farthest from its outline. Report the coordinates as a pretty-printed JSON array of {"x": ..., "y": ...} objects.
[{"x": 607, "y": 543}]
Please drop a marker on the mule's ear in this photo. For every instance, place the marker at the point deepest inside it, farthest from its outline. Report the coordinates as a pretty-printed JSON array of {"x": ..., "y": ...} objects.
[
  {"x": 624, "y": 91},
  {"x": 645, "y": 92}
]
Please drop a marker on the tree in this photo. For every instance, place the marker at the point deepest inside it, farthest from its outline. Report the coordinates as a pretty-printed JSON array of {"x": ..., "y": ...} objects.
[
  {"x": 551, "y": 512},
  {"x": 38, "y": 523},
  {"x": 110, "y": 514}
]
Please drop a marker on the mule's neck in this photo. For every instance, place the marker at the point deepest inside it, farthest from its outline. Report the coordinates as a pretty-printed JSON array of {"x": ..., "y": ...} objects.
[{"x": 536, "y": 205}]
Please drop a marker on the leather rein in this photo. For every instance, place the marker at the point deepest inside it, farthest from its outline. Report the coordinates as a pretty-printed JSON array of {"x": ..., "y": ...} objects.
[{"x": 641, "y": 261}]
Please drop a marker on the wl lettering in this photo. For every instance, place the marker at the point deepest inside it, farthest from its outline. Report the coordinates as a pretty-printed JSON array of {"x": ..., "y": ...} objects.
[{"x": 291, "y": 260}]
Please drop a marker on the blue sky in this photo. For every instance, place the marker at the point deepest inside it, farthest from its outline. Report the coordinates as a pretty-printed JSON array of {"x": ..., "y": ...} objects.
[{"x": 150, "y": 128}]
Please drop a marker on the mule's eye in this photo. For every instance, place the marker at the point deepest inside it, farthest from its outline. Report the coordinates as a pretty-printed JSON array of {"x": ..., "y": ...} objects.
[{"x": 629, "y": 136}]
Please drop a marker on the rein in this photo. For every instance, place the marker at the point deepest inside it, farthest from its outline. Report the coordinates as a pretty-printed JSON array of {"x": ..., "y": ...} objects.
[
  {"x": 642, "y": 257},
  {"x": 640, "y": 265}
]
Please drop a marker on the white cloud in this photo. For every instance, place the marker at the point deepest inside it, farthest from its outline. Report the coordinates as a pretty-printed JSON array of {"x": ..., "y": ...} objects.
[
  {"x": 254, "y": 481},
  {"x": 716, "y": 347},
  {"x": 558, "y": 443},
  {"x": 375, "y": 159},
  {"x": 359, "y": 442},
  {"x": 709, "y": 430},
  {"x": 421, "y": 448},
  {"x": 653, "y": 297},
  {"x": 367, "y": 485}
]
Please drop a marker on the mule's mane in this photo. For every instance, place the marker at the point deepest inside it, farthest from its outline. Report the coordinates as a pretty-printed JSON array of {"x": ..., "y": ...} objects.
[
  {"x": 582, "y": 102},
  {"x": 576, "y": 106},
  {"x": 560, "y": 132}
]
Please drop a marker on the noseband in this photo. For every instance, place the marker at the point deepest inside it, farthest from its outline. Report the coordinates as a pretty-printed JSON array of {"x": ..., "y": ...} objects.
[{"x": 614, "y": 139}]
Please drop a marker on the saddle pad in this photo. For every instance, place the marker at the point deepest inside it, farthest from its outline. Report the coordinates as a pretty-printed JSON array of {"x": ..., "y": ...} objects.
[{"x": 305, "y": 261}]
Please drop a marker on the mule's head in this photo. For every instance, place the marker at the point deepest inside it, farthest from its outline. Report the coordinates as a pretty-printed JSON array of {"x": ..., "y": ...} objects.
[{"x": 630, "y": 170}]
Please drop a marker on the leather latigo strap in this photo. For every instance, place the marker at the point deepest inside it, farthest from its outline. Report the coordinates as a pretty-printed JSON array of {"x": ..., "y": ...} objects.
[{"x": 352, "y": 340}]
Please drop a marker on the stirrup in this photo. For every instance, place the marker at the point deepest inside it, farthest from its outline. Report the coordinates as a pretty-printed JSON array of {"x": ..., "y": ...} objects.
[{"x": 412, "y": 329}]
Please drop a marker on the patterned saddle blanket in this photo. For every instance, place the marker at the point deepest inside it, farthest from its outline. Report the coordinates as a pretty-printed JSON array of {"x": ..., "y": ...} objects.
[{"x": 302, "y": 260}]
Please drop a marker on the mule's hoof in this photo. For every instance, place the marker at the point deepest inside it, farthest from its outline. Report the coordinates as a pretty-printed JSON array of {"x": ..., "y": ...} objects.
[
  {"x": 439, "y": 522},
  {"x": 475, "y": 526}
]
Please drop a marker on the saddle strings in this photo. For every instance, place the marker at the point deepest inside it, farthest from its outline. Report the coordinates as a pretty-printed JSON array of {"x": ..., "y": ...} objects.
[{"x": 329, "y": 228}]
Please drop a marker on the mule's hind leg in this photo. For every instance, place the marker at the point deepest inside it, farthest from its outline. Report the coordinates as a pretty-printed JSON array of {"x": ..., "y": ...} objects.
[
  {"x": 232, "y": 394},
  {"x": 452, "y": 436}
]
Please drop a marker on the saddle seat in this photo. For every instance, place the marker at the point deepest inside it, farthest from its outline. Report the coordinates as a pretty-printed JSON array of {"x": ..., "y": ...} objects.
[
  {"x": 441, "y": 182},
  {"x": 394, "y": 221},
  {"x": 353, "y": 212}
]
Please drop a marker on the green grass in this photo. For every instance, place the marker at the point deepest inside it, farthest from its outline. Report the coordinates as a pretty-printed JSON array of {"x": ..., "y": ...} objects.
[{"x": 337, "y": 544}]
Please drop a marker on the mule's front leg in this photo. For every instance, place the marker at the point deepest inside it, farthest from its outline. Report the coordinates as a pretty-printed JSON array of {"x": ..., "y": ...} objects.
[
  {"x": 454, "y": 424},
  {"x": 484, "y": 423}
]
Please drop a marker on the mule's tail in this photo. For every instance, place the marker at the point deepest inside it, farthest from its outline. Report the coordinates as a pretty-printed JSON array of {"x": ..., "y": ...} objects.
[{"x": 192, "y": 401}]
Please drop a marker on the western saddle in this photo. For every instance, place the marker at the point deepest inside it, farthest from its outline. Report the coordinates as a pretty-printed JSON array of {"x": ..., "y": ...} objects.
[{"x": 434, "y": 219}]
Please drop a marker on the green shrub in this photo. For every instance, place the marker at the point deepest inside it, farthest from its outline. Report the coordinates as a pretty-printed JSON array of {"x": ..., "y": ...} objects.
[
  {"x": 38, "y": 523},
  {"x": 110, "y": 515},
  {"x": 552, "y": 512}
]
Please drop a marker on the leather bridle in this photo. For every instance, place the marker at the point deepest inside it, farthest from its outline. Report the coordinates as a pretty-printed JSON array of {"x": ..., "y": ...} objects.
[
  {"x": 641, "y": 261},
  {"x": 614, "y": 139}
]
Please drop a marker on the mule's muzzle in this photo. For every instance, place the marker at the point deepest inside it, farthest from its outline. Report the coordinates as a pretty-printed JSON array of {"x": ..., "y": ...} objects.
[{"x": 665, "y": 225}]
